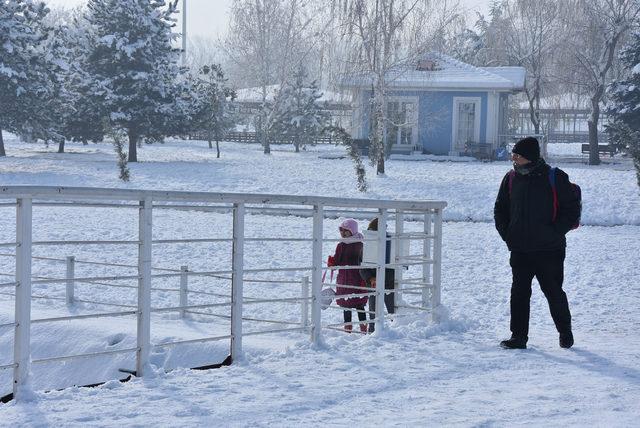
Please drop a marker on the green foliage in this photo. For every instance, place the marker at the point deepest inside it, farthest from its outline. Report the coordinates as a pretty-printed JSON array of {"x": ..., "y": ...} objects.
[
  {"x": 299, "y": 116},
  {"x": 340, "y": 134},
  {"x": 134, "y": 68},
  {"x": 24, "y": 77},
  {"x": 212, "y": 115},
  {"x": 624, "y": 107}
]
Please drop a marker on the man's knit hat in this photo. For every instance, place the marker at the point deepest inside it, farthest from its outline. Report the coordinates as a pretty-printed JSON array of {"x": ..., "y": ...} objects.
[{"x": 528, "y": 148}]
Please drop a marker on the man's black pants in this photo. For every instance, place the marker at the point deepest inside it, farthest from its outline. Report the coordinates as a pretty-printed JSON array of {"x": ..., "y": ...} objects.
[{"x": 548, "y": 268}]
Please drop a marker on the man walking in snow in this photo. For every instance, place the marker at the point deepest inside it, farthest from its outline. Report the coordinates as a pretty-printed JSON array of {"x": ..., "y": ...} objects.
[{"x": 532, "y": 218}]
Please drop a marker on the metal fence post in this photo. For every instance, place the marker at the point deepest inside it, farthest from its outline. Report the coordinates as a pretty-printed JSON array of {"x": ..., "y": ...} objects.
[
  {"x": 304, "y": 307},
  {"x": 381, "y": 268},
  {"x": 22, "y": 338},
  {"x": 426, "y": 266},
  {"x": 144, "y": 286},
  {"x": 71, "y": 269},
  {"x": 237, "y": 280},
  {"x": 184, "y": 289},
  {"x": 437, "y": 266},
  {"x": 316, "y": 274},
  {"x": 400, "y": 242}
]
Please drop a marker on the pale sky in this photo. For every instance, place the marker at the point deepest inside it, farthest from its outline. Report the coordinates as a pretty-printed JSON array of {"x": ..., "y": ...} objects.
[
  {"x": 208, "y": 18},
  {"x": 205, "y": 18}
]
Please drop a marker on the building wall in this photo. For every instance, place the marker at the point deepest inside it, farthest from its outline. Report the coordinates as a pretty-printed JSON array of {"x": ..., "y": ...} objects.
[{"x": 435, "y": 117}]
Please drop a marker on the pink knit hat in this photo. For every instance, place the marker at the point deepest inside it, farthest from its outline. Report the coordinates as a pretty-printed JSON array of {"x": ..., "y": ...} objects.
[{"x": 351, "y": 225}]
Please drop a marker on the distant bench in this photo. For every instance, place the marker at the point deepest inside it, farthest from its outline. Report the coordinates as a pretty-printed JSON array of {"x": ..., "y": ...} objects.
[
  {"x": 603, "y": 149},
  {"x": 480, "y": 150}
]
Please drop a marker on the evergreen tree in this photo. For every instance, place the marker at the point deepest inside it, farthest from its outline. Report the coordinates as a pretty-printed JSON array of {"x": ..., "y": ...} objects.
[
  {"x": 300, "y": 117},
  {"x": 624, "y": 107},
  {"x": 212, "y": 113},
  {"x": 53, "y": 109},
  {"x": 87, "y": 98},
  {"x": 23, "y": 77},
  {"x": 134, "y": 68}
]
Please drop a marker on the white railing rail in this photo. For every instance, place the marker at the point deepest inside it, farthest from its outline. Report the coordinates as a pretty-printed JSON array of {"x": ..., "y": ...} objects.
[{"x": 25, "y": 198}]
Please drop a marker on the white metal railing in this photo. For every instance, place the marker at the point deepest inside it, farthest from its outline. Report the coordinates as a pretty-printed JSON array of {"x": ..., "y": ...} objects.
[{"x": 426, "y": 286}]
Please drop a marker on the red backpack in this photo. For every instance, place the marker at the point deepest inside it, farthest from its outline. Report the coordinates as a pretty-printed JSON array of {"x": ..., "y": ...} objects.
[{"x": 552, "y": 180}]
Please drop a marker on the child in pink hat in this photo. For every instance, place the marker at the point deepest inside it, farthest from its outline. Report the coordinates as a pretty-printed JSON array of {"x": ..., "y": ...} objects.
[{"x": 349, "y": 253}]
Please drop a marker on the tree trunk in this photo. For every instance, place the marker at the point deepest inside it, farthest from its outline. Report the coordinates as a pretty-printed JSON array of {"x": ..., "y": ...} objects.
[
  {"x": 133, "y": 147},
  {"x": 209, "y": 141},
  {"x": 535, "y": 119},
  {"x": 265, "y": 142},
  {"x": 2, "y": 152},
  {"x": 84, "y": 141},
  {"x": 594, "y": 156},
  {"x": 378, "y": 138},
  {"x": 534, "y": 113},
  {"x": 297, "y": 146},
  {"x": 380, "y": 167},
  {"x": 61, "y": 146},
  {"x": 217, "y": 149}
]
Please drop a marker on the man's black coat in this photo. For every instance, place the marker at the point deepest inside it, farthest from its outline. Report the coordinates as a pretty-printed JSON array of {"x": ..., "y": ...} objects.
[{"x": 524, "y": 216}]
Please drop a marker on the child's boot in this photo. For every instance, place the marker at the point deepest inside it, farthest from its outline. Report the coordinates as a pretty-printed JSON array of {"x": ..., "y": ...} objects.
[{"x": 363, "y": 328}]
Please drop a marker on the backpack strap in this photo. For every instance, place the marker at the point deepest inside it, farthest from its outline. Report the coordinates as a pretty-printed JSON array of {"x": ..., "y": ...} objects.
[{"x": 552, "y": 181}]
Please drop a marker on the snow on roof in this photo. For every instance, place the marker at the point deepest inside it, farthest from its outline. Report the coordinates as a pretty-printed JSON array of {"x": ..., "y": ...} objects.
[
  {"x": 514, "y": 74},
  {"x": 439, "y": 71},
  {"x": 254, "y": 95}
]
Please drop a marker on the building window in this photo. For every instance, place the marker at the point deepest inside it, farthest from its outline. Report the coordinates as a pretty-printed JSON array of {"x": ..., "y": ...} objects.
[{"x": 401, "y": 123}]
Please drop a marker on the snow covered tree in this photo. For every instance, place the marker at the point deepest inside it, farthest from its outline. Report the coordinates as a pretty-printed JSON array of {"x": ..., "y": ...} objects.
[
  {"x": 134, "y": 67},
  {"x": 383, "y": 36},
  {"x": 87, "y": 99},
  {"x": 300, "y": 116},
  {"x": 624, "y": 108},
  {"x": 598, "y": 28},
  {"x": 265, "y": 44},
  {"x": 527, "y": 34},
  {"x": 212, "y": 114},
  {"x": 52, "y": 110},
  {"x": 375, "y": 31},
  {"x": 23, "y": 77},
  {"x": 466, "y": 46},
  {"x": 253, "y": 47}
]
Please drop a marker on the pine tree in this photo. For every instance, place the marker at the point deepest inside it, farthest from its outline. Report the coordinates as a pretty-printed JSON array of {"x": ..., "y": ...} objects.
[
  {"x": 23, "y": 77},
  {"x": 87, "y": 99},
  {"x": 624, "y": 107},
  {"x": 52, "y": 110},
  {"x": 300, "y": 116},
  {"x": 212, "y": 112},
  {"x": 134, "y": 67}
]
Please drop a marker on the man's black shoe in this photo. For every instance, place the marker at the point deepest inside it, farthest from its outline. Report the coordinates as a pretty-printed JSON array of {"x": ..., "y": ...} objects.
[
  {"x": 514, "y": 343},
  {"x": 566, "y": 340}
]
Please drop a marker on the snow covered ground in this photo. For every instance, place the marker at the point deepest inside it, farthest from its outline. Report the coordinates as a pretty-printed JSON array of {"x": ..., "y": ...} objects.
[{"x": 415, "y": 373}]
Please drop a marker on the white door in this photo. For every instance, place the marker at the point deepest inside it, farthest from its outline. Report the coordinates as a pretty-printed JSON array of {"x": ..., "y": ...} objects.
[{"x": 466, "y": 122}]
